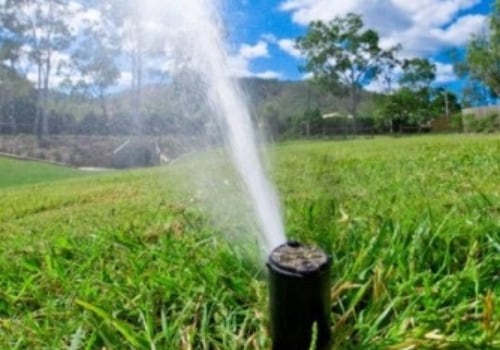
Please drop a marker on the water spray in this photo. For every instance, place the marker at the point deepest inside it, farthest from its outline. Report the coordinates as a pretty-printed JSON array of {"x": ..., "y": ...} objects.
[
  {"x": 299, "y": 297},
  {"x": 299, "y": 275}
]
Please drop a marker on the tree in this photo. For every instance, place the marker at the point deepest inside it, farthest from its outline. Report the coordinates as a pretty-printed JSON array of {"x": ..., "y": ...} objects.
[
  {"x": 40, "y": 27},
  {"x": 15, "y": 90},
  {"x": 482, "y": 60},
  {"x": 129, "y": 19},
  {"x": 418, "y": 73},
  {"x": 405, "y": 107},
  {"x": 13, "y": 86},
  {"x": 269, "y": 120},
  {"x": 343, "y": 56},
  {"x": 474, "y": 91},
  {"x": 410, "y": 104},
  {"x": 95, "y": 57},
  {"x": 444, "y": 102}
]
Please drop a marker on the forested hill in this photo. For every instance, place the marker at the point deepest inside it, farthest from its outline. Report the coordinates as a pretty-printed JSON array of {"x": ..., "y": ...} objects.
[
  {"x": 294, "y": 98},
  {"x": 167, "y": 108},
  {"x": 278, "y": 107}
]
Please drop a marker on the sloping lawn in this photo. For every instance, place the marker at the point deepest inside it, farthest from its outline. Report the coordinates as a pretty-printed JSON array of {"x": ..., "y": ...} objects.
[{"x": 15, "y": 172}]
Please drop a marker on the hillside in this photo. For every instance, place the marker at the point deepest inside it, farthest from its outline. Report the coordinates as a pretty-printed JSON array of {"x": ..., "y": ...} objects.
[
  {"x": 292, "y": 98},
  {"x": 280, "y": 109},
  {"x": 175, "y": 104},
  {"x": 174, "y": 116}
]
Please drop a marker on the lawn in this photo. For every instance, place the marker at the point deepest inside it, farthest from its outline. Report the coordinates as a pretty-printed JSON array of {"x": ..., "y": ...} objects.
[
  {"x": 15, "y": 172},
  {"x": 133, "y": 260}
]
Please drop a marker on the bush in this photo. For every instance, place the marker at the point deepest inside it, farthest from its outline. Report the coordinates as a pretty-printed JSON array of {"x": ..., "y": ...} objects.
[
  {"x": 457, "y": 122},
  {"x": 486, "y": 124}
]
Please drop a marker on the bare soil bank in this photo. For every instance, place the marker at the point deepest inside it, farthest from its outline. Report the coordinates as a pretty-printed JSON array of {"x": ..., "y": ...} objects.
[{"x": 96, "y": 151}]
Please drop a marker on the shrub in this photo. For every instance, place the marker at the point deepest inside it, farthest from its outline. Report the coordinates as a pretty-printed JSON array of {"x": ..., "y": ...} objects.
[{"x": 457, "y": 122}]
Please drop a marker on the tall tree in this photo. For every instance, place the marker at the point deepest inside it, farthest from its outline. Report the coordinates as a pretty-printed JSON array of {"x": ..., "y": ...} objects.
[
  {"x": 411, "y": 103},
  {"x": 344, "y": 56},
  {"x": 444, "y": 102},
  {"x": 11, "y": 83},
  {"x": 474, "y": 91},
  {"x": 15, "y": 90},
  {"x": 128, "y": 18},
  {"x": 95, "y": 58},
  {"x": 483, "y": 53},
  {"x": 418, "y": 73},
  {"x": 42, "y": 28}
]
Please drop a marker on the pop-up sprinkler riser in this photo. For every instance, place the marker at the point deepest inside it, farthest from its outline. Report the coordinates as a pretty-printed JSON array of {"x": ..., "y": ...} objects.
[{"x": 299, "y": 297}]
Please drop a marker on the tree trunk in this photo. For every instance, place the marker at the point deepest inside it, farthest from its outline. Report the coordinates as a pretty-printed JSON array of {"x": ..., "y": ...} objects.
[
  {"x": 44, "y": 117},
  {"x": 137, "y": 62},
  {"x": 45, "y": 101},
  {"x": 353, "y": 109},
  {"x": 104, "y": 108},
  {"x": 38, "y": 106},
  {"x": 12, "y": 118}
]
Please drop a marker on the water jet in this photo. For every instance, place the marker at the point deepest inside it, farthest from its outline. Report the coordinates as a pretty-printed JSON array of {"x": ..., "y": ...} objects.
[{"x": 299, "y": 297}]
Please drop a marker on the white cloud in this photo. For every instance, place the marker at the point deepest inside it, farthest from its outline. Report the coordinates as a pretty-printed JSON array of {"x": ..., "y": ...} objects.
[
  {"x": 82, "y": 16},
  {"x": 288, "y": 46},
  {"x": 268, "y": 74},
  {"x": 422, "y": 27},
  {"x": 254, "y": 51},
  {"x": 270, "y": 38},
  {"x": 459, "y": 32},
  {"x": 239, "y": 64}
]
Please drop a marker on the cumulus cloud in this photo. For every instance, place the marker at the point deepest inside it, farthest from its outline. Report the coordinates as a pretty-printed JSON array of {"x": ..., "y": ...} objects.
[
  {"x": 288, "y": 46},
  {"x": 256, "y": 51},
  {"x": 239, "y": 63},
  {"x": 422, "y": 27},
  {"x": 459, "y": 32}
]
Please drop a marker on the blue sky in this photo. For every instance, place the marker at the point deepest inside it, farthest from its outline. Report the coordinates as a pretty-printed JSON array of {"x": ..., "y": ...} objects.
[{"x": 262, "y": 31}]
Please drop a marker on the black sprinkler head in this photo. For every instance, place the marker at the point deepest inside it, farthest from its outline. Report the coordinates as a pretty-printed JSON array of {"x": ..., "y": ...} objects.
[{"x": 299, "y": 297}]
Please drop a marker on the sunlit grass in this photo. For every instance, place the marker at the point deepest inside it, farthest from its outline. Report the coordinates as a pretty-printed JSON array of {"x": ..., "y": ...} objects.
[
  {"x": 131, "y": 260},
  {"x": 17, "y": 172}
]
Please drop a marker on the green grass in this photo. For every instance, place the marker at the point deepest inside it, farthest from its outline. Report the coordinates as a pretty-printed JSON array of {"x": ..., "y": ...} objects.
[
  {"x": 18, "y": 172},
  {"x": 131, "y": 260}
]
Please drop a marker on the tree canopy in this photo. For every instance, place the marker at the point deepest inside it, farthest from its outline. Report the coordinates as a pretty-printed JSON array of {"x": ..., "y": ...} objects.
[
  {"x": 482, "y": 60},
  {"x": 343, "y": 56}
]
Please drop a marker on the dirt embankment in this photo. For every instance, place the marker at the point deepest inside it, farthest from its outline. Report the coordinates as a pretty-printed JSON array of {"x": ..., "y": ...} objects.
[{"x": 90, "y": 151}]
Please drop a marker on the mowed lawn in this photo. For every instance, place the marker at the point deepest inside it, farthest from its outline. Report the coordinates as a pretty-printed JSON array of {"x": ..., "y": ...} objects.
[
  {"x": 15, "y": 172},
  {"x": 137, "y": 259}
]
